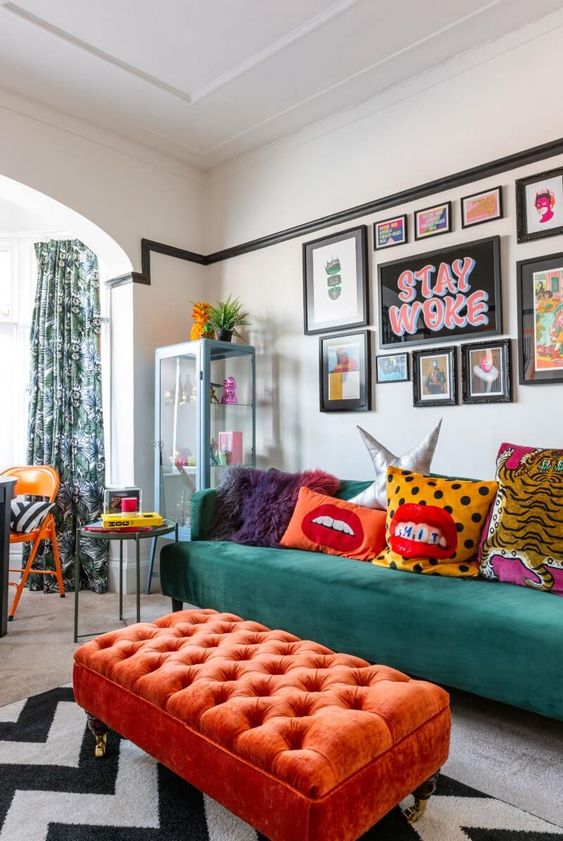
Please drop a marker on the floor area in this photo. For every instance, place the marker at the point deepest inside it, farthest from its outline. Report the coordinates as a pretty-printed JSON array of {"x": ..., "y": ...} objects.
[{"x": 505, "y": 752}]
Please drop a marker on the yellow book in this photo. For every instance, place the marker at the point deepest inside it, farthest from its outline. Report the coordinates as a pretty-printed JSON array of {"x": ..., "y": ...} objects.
[{"x": 135, "y": 519}]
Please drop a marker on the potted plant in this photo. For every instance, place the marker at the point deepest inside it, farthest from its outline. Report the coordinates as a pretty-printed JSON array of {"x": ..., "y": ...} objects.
[{"x": 226, "y": 316}]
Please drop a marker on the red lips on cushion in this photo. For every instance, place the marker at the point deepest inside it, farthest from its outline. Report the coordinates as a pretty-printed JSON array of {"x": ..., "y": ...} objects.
[
  {"x": 327, "y": 535},
  {"x": 432, "y": 516}
]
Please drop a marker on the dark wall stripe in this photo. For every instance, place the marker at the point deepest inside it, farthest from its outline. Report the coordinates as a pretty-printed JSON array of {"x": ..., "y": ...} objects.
[{"x": 458, "y": 179}]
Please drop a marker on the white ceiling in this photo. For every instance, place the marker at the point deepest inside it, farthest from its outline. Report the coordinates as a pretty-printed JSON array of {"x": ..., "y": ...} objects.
[{"x": 206, "y": 80}]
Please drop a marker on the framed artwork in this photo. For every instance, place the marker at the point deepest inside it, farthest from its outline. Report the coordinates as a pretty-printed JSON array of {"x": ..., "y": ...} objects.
[
  {"x": 335, "y": 281},
  {"x": 434, "y": 379},
  {"x": 114, "y": 495},
  {"x": 486, "y": 372},
  {"x": 539, "y": 205},
  {"x": 431, "y": 221},
  {"x": 390, "y": 232},
  {"x": 447, "y": 294},
  {"x": 481, "y": 207},
  {"x": 392, "y": 368},
  {"x": 344, "y": 372},
  {"x": 540, "y": 319}
]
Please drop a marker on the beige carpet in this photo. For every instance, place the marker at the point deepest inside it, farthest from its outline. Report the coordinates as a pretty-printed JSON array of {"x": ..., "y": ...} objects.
[{"x": 507, "y": 753}]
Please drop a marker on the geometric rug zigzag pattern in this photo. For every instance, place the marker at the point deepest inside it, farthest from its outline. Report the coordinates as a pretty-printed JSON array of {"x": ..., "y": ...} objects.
[{"x": 53, "y": 789}]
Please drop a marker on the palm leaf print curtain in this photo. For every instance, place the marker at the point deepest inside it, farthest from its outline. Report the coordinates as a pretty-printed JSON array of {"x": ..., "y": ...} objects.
[{"x": 65, "y": 407}]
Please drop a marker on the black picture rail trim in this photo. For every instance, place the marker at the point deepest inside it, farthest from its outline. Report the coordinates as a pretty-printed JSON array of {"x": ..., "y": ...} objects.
[{"x": 439, "y": 185}]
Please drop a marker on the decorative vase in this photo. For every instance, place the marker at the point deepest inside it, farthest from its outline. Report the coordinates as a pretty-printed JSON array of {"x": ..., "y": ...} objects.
[{"x": 225, "y": 335}]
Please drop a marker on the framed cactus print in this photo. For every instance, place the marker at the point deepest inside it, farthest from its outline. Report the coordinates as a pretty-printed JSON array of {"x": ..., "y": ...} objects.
[{"x": 335, "y": 281}]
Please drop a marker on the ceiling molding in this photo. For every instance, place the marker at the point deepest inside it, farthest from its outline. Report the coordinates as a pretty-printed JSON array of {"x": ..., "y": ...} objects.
[
  {"x": 63, "y": 35},
  {"x": 345, "y": 81},
  {"x": 276, "y": 47}
]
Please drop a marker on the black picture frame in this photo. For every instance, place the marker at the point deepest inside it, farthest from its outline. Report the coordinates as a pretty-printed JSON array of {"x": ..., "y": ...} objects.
[
  {"x": 486, "y": 372},
  {"x": 397, "y": 365},
  {"x": 527, "y": 223},
  {"x": 444, "y": 205},
  {"x": 335, "y": 270},
  {"x": 430, "y": 363},
  {"x": 480, "y": 316},
  {"x": 378, "y": 245},
  {"x": 540, "y": 316},
  {"x": 354, "y": 346},
  {"x": 482, "y": 194}
]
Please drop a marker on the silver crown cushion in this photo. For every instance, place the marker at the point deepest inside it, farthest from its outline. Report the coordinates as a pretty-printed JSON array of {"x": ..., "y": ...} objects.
[{"x": 418, "y": 460}]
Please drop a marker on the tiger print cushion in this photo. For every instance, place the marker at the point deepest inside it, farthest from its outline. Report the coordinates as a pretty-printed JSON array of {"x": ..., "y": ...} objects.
[
  {"x": 434, "y": 524},
  {"x": 523, "y": 541}
]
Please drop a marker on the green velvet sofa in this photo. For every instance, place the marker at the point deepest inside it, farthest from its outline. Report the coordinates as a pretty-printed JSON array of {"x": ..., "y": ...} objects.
[{"x": 495, "y": 640}]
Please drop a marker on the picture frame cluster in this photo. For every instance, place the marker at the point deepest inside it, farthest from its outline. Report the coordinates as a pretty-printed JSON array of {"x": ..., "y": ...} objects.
[{"x": 435, "y": 296}]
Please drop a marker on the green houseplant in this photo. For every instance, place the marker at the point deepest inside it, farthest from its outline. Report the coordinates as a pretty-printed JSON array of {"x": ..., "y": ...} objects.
[{"x": 226, "y": 316}]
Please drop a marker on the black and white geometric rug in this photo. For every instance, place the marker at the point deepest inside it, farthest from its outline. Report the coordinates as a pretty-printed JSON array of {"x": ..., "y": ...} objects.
[{"x": 53, "y": 789}]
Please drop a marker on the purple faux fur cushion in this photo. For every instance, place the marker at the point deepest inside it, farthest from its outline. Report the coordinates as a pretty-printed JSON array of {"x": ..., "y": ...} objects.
[{"x": 254, "y": 507}]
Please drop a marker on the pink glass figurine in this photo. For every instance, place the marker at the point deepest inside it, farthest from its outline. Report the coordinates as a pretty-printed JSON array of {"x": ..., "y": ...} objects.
[{"x": 229, "y": 391}]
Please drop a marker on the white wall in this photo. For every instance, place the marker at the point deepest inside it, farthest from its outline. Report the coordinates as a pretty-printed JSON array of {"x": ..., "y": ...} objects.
[
  {"x": 480, "y": 107},
  {"x": 129, "y": 192}
]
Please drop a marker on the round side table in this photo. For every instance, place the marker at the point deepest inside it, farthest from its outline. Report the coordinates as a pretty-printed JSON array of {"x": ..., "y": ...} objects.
[{"x": 151, "y": 532}]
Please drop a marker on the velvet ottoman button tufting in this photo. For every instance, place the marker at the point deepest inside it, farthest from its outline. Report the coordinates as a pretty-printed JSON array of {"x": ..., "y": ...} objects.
[{"x": 302, "y": 742}]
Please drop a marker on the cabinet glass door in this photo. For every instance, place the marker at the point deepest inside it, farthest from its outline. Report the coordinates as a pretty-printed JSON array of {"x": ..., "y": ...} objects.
[
  {"x": 179, "y": 394},
  {"x": 231, "y": 411}
]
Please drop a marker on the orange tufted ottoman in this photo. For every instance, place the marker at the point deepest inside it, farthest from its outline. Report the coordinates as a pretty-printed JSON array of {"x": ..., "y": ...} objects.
[{"x": 303, "y": 743}]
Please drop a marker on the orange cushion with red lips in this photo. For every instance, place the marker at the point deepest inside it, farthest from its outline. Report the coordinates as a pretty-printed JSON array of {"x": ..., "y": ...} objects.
[
  {"x": 434, "y": 524},
  {"x": 324, "y": 524}
]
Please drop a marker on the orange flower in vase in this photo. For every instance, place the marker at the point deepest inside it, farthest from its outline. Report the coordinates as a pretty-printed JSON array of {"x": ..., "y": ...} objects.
[{"x": 201, "y": 328}]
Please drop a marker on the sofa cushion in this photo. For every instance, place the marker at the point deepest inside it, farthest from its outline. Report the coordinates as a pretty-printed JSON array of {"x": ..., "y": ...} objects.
[
  {"x": 254, "y": 506},
  {"x": 325, "y": 524},
  {"x": 434, "y": 525},
  {"x": 524, "y": 539},
  {"x": 420, "y": 458}
]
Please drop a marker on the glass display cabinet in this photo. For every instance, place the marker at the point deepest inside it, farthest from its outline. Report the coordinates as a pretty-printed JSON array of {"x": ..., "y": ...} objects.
[{"x": 205, "y": 420}]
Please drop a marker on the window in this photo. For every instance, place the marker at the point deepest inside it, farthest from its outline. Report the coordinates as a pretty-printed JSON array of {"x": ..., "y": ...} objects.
[{"x": 17, "y": 285}]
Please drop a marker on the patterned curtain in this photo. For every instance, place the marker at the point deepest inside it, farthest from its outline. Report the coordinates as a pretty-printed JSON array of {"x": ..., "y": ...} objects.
[{"x": 65, "y": 407}]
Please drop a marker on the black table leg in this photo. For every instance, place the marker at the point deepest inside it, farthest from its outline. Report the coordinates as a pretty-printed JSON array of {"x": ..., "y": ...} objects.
[
  {"x": 138, "y": 564},
  {"x": 151, "y": 565},
  {"x": 76, "y": 582},
  {"x": 121, "y": 581}
]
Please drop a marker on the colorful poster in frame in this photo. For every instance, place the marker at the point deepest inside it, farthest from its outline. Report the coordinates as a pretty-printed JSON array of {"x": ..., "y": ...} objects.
[
  {"x": 392, "y": 368},
  {"x": 481, "y": 207},
  {"x": 539, "y": 205},
  {"x": 344, "y": 372},
  {"x": 540, "y": 319},
  {"x": 431, "y": 221},
  {"x": 390, "y": 232},
  {"x": 335, "y": 281},
  {"x": 486, "y": 372},
  {"x": 447, "y": 294},
  {"x": 434, "y": 377}
]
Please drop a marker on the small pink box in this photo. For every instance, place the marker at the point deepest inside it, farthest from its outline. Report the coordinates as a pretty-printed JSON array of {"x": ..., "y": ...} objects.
[
  {"x": 230, "y": 443},
  {"x": 129, "y": 504}
]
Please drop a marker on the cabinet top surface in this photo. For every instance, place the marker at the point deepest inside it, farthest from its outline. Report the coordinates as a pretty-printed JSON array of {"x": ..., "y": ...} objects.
[{"x": 215, "y": 349}]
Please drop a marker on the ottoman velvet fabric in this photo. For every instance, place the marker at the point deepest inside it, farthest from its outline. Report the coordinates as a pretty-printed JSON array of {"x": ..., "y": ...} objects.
[{"x": 302, "y": 742}]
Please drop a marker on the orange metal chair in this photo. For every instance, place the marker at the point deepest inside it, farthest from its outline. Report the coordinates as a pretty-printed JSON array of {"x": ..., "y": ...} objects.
[{"x": 36, "y": 480}]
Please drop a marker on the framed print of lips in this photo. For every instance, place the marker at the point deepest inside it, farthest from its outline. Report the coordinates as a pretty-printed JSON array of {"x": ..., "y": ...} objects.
[
  {"x": 418, "y": 529},
  {"x": 332, "y": 526}
]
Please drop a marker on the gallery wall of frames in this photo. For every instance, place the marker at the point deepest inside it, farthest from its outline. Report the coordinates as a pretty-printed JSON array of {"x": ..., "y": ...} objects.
[{"x": 435, "y": 297}]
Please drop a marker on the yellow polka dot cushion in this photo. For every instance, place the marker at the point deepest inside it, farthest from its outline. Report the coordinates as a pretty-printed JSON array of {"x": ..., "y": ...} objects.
[{"x": 434, "y": 524}]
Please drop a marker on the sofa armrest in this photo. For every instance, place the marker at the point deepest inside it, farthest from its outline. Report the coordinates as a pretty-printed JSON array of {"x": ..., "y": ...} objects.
[{"x": 203, "y": 508}]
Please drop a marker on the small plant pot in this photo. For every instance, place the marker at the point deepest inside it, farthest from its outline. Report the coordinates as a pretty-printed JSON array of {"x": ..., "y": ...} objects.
[{"x": 225, "y": 335}]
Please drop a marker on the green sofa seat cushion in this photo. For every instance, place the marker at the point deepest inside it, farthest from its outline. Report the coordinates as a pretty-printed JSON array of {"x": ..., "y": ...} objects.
[{"x": 493, "y": 639}]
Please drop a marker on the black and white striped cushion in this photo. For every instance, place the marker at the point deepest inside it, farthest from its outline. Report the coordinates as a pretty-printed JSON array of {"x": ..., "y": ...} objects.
[{"x": 27, "y": 516}]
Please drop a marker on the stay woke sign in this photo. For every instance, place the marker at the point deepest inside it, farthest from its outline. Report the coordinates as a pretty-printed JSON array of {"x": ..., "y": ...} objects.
[{"x": 453, "y": 292}]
